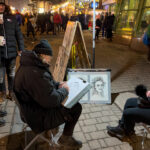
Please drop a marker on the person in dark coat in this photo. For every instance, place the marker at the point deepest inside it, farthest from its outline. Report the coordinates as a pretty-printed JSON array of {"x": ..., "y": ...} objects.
[
  {"x": 30, "y": 27},
  {"x": 41, "y": 97},
  {"x": 10, "y": 30},
  {"x": 98, "y": 27},
  {"x": 110, "y": 22}
]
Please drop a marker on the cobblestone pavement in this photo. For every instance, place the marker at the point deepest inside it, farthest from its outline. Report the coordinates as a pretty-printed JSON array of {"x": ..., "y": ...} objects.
[{"x": 129, "y": 68}]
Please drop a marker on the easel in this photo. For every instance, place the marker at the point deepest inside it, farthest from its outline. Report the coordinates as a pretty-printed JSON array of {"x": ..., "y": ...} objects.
[{"x": 73, "y": 48}]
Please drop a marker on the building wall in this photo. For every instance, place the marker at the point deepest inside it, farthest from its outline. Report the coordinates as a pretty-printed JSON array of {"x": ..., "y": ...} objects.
[{"x": 18, "y": 4}]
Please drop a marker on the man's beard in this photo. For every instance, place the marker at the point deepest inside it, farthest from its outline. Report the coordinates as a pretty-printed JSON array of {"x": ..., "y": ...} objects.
[{"x": 45, "y": 62}]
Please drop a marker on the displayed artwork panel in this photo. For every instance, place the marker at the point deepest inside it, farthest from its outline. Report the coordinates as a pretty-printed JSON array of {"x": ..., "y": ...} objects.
[{"x": 100, "y": 83}]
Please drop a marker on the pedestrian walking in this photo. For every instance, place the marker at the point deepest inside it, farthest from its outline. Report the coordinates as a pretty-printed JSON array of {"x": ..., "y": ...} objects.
[
  {"x": 30, "y": 26},
  {"x": 98, "y": 27},
  {"x": 57, "y": 23},
  {"x": 104, "y": 25},
  {"x": 10, "y": 34}
]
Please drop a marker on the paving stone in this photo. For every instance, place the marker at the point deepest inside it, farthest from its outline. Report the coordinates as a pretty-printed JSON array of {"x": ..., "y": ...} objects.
[
  {"x": 94, "y": 144},
  {"x": 101, "y": 126},
  {"x": 108, "y": 148},
  {"x": 6, "y": 128},
  {"x": 85, "y": 147},
  {"x": 95, "y": 109},
  {"x": 8, "y": 118},
  {"x": 102, "y": 143},
  {"x": 95, "y": 115},
  {"x": 3, "y": 135},
  {"x": 106, "y": 113},
  {"x": 98, "y": 135},
  {"x": 10, "y": 110},
  {"x": 105, "y": 107},
  {"x": 99, "y": 120},
  {"x": 17, "y": 119},
  {"x": 11, "y": 104},
  {"x": 90, "y": 121},
  {"x": 85, "y": 110},
  {"x": 17, "y": 128},
  {"x": 87, "y": 136},
  {"x": 105, "y": 119},
  {"x": 82, "y": 117},
  {"x": 80, "y": 136},
  {"x": 113, "y": 118},
  {"x": 114, "y": 123},
  {"x": 112, "y": 141},
  {"x": 125, "y": 146},
  {"x": 87, "y": 116},
  {"x": 77, "y": 128},
  {"x": 90, "y": 128},
  {"x": 81, "y": 123}
]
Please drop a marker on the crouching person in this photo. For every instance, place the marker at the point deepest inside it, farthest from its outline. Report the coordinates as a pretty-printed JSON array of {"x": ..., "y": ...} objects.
[
  {"x": 135, "y": 111},
  {"x": 41, "y": 97}
]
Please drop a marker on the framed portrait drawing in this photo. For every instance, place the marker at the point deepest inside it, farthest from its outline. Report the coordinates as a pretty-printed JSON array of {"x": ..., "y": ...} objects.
[{"x": 100, "y": 80}]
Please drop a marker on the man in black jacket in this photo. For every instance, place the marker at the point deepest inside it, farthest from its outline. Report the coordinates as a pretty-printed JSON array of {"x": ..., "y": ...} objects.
[
  {"x": 10, "y": 31},
  {"x": 41, "y": 97}
]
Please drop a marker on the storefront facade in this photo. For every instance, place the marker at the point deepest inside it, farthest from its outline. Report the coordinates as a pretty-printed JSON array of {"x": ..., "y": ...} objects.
[
  {"x": 109, "y": 5},
  {"x": 133, "y": 17}
]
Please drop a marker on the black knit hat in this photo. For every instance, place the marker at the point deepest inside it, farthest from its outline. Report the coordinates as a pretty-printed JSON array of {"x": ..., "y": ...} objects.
[{"x": 43, "y": 48}]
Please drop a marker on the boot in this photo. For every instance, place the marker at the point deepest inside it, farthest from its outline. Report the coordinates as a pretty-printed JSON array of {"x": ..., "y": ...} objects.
[
  {"x": 10, "y": 96},
  {"x": 1, "y": 97},
  {"x": 117, "y": 131},
  {"x": 69, "y": 142}
]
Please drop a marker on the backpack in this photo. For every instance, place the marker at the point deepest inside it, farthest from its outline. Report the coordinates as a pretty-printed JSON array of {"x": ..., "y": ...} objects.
[{"x": 146, "y": 39}]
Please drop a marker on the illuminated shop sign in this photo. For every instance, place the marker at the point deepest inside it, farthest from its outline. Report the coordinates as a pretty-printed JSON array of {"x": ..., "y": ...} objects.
[{"x": 106, "y": 2}]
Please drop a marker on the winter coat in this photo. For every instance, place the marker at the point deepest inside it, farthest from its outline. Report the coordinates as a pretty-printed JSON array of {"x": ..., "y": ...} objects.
[
  {"x": 19, "y": 18},
  {"x": 38, "y": 94},
  {"x": 13, "y": 36},
  {"x": 98, "y": 23},
  {"x": 57, "y": 19}
]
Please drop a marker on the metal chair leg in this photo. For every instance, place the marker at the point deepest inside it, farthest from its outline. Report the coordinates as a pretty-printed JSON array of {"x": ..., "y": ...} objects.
[
  {"x": 144, "y": 137},
  {"x": 27, "y": 147}
]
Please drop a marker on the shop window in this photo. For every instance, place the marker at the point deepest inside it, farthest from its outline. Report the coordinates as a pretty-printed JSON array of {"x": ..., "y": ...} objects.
[
  {"x": 130, "y": 4},
  {"x": 144, "y": 21},
  {"x": 147, "y": 2},
  {"x": 127, "y": 20}
]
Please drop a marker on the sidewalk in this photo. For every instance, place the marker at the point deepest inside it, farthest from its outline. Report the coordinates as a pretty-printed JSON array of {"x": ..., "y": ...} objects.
[{"x": 128, "y": 69}]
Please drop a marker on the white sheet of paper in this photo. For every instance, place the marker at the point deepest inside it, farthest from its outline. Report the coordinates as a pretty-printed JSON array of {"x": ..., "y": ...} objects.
[{"x": 77, "y": 87}]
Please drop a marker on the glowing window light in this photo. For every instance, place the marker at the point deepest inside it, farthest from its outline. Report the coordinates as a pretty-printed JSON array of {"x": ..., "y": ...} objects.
[{"x": 41, "y": 10}]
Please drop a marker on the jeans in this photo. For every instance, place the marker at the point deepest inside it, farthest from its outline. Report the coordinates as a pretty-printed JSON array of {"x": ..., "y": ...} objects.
[
  {"x": 7, "y": 67},
  {"x": 132, "y": 114}
]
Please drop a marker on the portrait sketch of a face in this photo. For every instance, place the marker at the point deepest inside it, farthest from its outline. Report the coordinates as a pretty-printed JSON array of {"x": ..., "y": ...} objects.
[
  {"x": 85, "y": 78},
  {"x": 99, "y": 90}
]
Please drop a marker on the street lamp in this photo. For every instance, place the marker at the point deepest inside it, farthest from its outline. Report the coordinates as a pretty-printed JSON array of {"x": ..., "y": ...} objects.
[{"x": 93, "y": 65}]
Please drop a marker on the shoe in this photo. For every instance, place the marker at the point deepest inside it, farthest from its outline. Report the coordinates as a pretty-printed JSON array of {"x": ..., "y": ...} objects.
[
  {"x": 10, "y": 96},
  {"x": 2, "y": 123},
  {"x": 69, "y": 142},
  {"x": 3, "y": 113},
  {"x": 2, "y": 97},
  {"x": 118, "y": 131}
]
